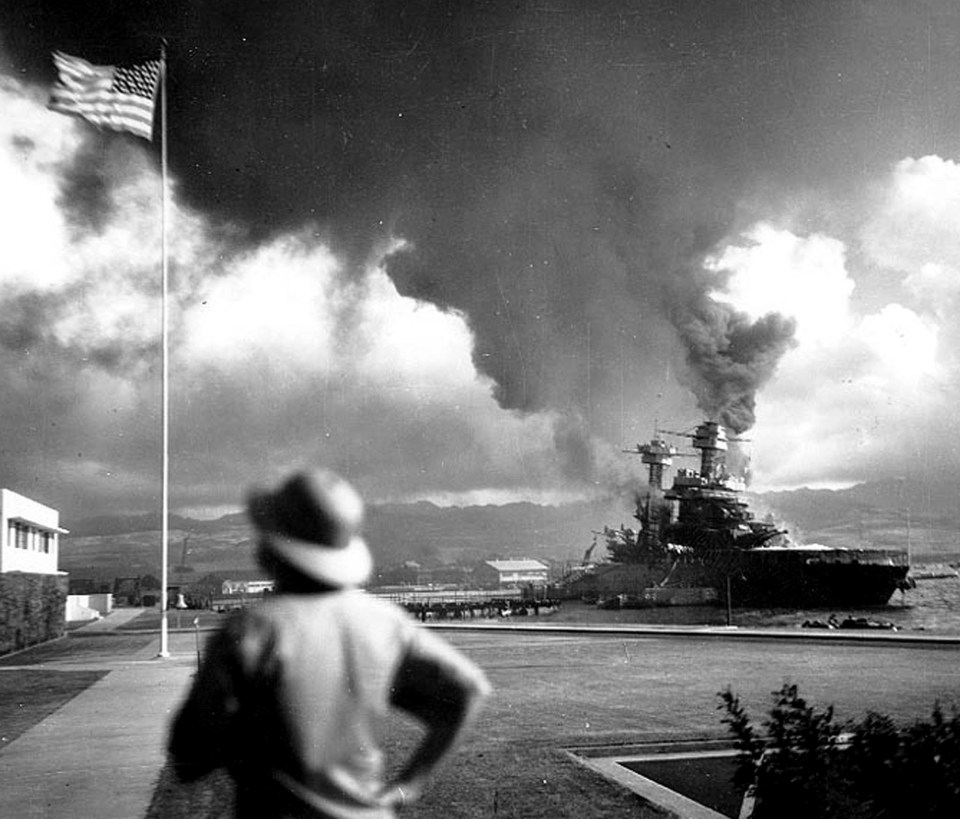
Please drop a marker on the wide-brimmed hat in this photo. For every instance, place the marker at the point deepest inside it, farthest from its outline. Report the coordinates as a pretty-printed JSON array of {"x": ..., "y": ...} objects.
[{"x": 312, "y": 523}]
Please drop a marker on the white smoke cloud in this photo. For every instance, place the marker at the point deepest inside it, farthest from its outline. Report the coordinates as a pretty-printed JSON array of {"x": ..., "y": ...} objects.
[
  {"x": 917, "y": 218},
  {"x": 858, "y": 394},
  {"x": 282, "y": 355},
  {"x": 803, "y": 277},
  {"x": 275, "y": 302},
  {"x": 33, "y": 144},
  {"x": 279, "y": 355}
]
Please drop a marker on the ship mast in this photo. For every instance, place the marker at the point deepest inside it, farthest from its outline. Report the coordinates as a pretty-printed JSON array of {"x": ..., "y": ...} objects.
[
  {"x": 657, "y": 455},
  {"x": 711, "y": 439}
]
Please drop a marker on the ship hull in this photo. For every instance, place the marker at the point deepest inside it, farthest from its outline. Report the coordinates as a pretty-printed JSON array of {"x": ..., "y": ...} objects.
[
  {"x": 776, "y": 577},
  {"x": 798, "y": 577}
]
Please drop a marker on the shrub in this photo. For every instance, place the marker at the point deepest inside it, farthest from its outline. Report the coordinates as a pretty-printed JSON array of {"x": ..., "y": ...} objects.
[
  {"x": 32, "y": 609},
  {"x": 806, "y": 765}
]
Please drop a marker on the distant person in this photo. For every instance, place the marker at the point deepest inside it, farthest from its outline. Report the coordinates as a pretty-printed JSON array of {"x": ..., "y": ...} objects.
[{"x": 290, "y": 691}]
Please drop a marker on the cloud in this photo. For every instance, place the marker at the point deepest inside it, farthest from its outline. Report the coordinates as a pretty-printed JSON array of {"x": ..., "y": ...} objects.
[
  {"x": 857, "y": 395},
  {"x": 776, "y": 271},
  {"x": 482, "y": 250},
  {"x": 276, "y": 302},
  {"x": 917, "y": 218},
  {"x": 915, "y": 233},
  {"x": 569, "y": 239},
  {"x": 281, "y": 354},
  {"x": 32, "y": 146}
]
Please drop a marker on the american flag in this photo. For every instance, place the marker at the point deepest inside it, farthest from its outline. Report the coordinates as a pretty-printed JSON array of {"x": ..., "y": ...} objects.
[{"x": 121, "y": 98}]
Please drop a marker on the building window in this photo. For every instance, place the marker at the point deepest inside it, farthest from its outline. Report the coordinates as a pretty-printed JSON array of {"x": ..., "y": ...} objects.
[{"x": 22, "y": 536}]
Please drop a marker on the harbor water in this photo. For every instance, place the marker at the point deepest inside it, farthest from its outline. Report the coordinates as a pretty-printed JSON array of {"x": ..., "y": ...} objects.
[{"x": 933, "y": 607}]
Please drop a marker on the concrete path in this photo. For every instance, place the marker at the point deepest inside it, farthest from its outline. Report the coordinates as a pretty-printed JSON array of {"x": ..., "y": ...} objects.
[
  {"x": 99, "y": 756},
  {"x": 113, "y": 620}
]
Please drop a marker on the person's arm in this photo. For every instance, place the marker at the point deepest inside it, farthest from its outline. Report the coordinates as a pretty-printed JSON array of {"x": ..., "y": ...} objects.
[
  {"x": 204, "y": 733},
  {"x": 444, "y": 691}
]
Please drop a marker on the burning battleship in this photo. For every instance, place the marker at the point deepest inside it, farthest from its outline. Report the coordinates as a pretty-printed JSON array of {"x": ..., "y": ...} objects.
[{"x": 698, "y": 542}]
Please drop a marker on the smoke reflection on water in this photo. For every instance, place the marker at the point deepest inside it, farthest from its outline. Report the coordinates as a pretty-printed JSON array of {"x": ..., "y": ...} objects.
[{"x": 933, "y": 606}]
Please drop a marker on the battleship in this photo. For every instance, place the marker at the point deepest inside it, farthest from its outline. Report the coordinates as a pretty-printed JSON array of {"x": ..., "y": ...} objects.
[{"x": 698, "y": 542}]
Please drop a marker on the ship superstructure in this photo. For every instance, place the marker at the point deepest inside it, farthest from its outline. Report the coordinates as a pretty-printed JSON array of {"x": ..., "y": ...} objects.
[{"x": 709, "y": 509}]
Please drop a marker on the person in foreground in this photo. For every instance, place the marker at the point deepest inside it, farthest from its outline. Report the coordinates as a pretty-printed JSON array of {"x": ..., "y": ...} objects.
[{"x": 290, "y": 691}]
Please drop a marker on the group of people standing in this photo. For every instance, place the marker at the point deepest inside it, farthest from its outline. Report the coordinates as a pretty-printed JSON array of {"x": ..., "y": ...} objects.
[{"x": 489, "y": 609}]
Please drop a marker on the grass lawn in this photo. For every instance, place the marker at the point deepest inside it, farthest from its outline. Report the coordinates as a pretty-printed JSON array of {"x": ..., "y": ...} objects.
[
  {"x": 550, "y": 694},
  {"x": 28, "y": 696},
  {"x": 484, "y": 779},
  {"x": 149, "y": 620},
  {"x": 557, "y": 691},
  {"x": 75, "y": 647}
]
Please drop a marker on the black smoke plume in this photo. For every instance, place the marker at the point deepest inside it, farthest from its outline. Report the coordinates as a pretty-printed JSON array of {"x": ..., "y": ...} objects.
[
  {"x": 730, "y": 358},
  {"x": 545, "y": 162}
]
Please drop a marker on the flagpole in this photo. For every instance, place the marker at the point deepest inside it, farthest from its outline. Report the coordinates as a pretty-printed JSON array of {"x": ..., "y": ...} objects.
[
  {"x": 164, "y": 363},
  {"x": 114, "y": 97}
]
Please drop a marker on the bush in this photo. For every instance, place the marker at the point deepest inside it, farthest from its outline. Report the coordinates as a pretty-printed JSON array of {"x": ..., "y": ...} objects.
[
  {"x": 806, "y": 765},
  {"x": 32, "y": 609}
]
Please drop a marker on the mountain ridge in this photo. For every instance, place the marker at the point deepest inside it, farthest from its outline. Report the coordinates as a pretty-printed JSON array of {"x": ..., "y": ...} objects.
[{"x": 891, "y": 513}]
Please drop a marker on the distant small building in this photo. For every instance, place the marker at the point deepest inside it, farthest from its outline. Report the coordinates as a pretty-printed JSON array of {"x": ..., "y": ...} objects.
[
  {"x": 247, "y": 585},
  {"x": 88, "y": 606},
  {"x": 501, "y": 573},
  {"x": 29, "y": 535}
]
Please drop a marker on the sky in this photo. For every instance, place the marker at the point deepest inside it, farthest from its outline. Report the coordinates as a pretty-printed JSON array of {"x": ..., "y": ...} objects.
[{"x": 469, "y": 252}]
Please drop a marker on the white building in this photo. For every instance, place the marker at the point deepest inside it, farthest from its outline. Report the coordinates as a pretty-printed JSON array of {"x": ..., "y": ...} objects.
[
  {"x": 258, "y": 586},
  {"x": 512, "y": 572},
  {"x": 29, "y": 535}
]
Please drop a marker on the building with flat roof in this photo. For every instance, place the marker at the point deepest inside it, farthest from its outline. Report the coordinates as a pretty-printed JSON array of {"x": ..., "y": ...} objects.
[
  {"x": 246, "y": 581},
  {"x": 501, "y": 573},
  {"x": 29, "y": 535}
]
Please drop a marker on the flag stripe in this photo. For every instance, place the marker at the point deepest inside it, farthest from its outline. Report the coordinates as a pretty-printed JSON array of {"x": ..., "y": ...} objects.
[
  {"x": 117, "y": 97},
  {"x": 103, "y": 100}
]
